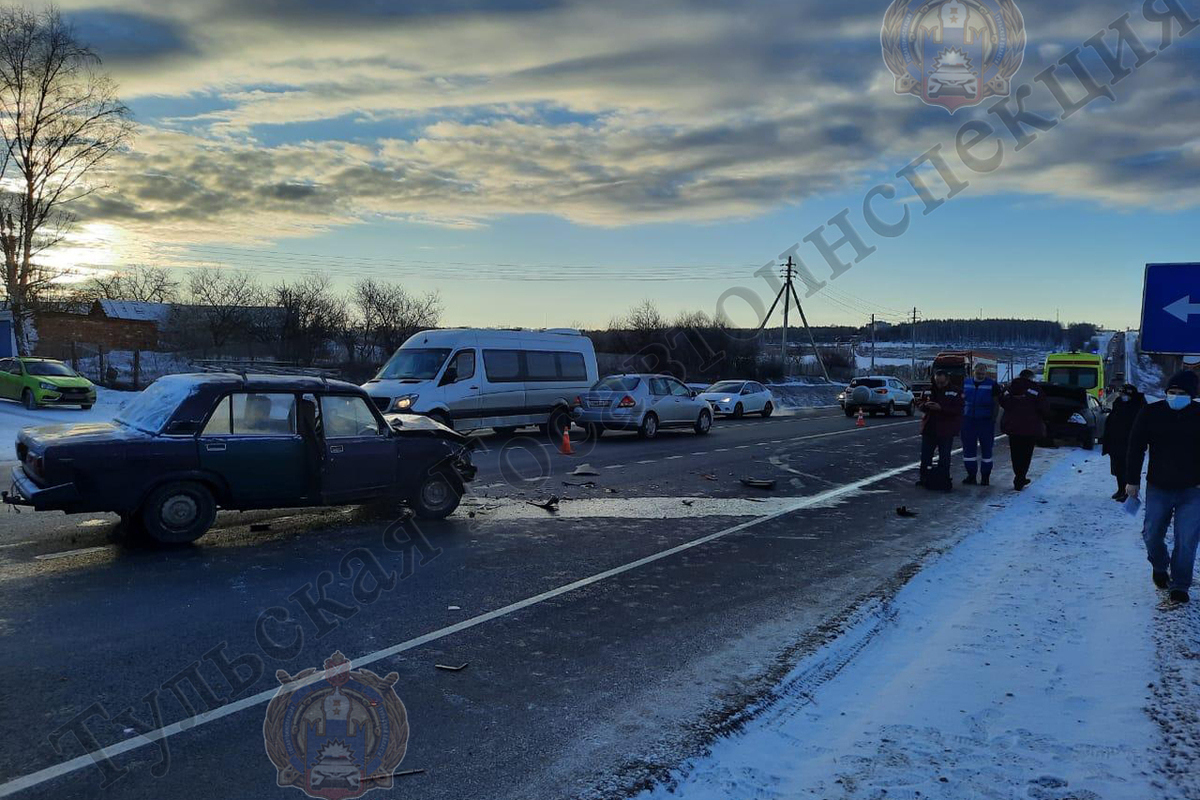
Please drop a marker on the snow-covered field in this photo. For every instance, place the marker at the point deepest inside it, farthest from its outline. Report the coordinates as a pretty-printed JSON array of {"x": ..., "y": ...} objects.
[
  {"x": 14, "y": 416},
  {"x": 1034, "y": 660}
]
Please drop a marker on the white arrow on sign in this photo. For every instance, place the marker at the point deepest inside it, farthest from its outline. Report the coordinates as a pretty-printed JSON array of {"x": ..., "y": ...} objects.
[{"x": 1183, "y": 308}]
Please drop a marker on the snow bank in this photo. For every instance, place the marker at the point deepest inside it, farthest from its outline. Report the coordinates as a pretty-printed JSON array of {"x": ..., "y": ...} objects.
[
  {"x": 14, "y": 416},
  {"x": 796, "y": 394},
  {"x": 1015, "y": 666}
]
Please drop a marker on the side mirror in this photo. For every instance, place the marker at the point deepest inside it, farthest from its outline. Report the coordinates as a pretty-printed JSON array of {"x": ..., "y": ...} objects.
[
  {"x": 450, "y": 376},
  {"x": 695, "y": 393}
]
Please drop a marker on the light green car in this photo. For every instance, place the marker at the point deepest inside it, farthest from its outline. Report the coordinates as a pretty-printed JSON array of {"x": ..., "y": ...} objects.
[{"x": 43, "y": 382}]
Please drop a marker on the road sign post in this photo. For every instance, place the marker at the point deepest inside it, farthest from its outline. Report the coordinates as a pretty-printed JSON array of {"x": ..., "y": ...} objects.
[{"x": 1171, "y": 309}]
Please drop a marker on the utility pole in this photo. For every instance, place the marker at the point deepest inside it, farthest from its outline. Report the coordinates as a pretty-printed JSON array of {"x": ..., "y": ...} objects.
[
  {"x": 788, "y": 292},
  {"x": 872, "y": 344}
]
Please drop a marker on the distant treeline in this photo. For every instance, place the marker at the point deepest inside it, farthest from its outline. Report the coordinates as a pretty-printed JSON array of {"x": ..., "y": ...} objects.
[{"x": 1005, "y": 332}]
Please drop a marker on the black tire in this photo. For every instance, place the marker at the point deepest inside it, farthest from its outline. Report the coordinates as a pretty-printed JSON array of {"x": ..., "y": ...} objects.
[
  {"x": 506, "y": 430},
  {"x": 1088, "y": 442},
  {"x": 768, "y": 409},
  {"x": 891, "y": 409},
  {"x": 912, "y": 408},
  {"x": 28, "y": 400},
  {"x": 738, "y": 411},
  {"x": 703, "y": 422},
  {"x": 178, "y": 513},
  {"x": 87, "y": 407},
  {"x": 443, "y": 418},
  {"x": 437, "y": 497},
  {"x": 559, "y": 422},
  {"x": 849, "y": 412},
  {"x": 649, "y": 427}
]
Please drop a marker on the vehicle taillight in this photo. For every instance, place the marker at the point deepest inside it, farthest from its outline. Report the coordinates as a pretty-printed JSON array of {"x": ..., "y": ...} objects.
[
  {"x": 881, "y": 391},
  {"x": 579, "y": 401},
  {"x": 626, "y": 402}
]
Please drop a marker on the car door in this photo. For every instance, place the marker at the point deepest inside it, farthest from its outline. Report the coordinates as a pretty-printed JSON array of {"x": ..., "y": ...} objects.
[
  {"x": 752, "y": 400},
  {"x": 8, "y": 380},
  {"x": 661, "y": 402},
  {"x": 359, "y": 451},
  {"x": 686, "y": 408},
  {"x": 250, "y": 441},
  {"x": 504, "y": 388},
  {"x": 460, "y": 385}
]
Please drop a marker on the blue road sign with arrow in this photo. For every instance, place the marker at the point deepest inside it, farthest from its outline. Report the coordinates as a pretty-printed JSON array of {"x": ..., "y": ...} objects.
[{"x": 1171, "y": 309}]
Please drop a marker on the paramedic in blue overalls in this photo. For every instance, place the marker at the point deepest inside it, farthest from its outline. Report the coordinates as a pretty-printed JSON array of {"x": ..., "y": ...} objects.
[{"x": 980, "y": 406}]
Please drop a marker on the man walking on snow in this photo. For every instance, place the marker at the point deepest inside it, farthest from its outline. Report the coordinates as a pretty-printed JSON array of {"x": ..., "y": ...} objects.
[
  {"x": 980, "y": 405},
  {"x": 1171, "y": 431},
  {"x": 1025, "y": 412}
]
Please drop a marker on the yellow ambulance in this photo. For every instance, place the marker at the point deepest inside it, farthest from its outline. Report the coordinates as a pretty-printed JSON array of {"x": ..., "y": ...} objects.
[{"x": 1078, "y": 370}]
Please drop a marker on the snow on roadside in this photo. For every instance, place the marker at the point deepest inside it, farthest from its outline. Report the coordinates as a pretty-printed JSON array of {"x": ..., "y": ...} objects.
[
  {"x": 14, "y": 416},
  {"x": 1020, "y": 664}
]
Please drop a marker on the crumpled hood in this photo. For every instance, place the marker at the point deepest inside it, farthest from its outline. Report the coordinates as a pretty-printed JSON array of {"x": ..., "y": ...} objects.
[{"x": 420, "y": 424}]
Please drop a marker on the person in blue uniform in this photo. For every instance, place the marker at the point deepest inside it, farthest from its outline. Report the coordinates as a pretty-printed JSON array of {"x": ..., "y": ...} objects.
[{"x": 980, "y": 406}]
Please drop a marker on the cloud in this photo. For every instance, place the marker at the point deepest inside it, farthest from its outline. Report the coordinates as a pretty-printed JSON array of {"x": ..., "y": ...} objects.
[{"x": 604, "y": 114}]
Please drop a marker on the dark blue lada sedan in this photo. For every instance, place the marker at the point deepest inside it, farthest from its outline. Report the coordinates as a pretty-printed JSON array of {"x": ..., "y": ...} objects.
[{"x": 190, "y": 444}]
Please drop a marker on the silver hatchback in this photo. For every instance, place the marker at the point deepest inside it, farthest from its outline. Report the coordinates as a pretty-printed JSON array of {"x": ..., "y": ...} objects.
[{"x": 642, "y": 403}]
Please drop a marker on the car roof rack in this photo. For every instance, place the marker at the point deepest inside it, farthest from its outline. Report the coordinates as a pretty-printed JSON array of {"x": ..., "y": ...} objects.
[{"x": 244, "y": 369}]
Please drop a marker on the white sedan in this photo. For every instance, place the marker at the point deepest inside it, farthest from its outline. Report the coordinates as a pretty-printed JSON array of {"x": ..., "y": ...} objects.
[{"x": 738, "y": 398}]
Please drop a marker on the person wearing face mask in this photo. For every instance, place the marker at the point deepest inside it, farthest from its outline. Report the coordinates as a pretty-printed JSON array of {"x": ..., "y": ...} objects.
[
  {"x": 981, "y": 397},
  {"x": 1127, "y": 402},
  {"x": 942, "y": 422},
  {"x": 1171, "y": 432}
]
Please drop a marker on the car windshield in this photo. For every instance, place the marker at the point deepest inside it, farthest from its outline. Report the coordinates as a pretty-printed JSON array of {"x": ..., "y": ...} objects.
[
  {"x": 726, "y": 386},
  {"x": 49, "y": 368},
  {"x": 1076, "y": 377},
  {"x": 870, "y": 383},
  {"x": 617, "y": 383},
  {"x": 152, "y": 409},
  {"x": 414, "y": 363}
]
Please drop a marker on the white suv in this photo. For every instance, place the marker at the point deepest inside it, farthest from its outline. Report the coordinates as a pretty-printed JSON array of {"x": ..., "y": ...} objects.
[{"x": 877, "y": 395}]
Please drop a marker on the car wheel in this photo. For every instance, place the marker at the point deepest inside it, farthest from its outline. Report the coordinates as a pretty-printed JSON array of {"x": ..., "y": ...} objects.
[
  {"x": 738, "y": 411},
  {"x": 891, "y": 409},
  {"x": 506, "y": 430},
  {"x": 436, "y": 497},
  {"x": 704, "y": 422},
  {"x": 87, "y": 407},
  {"x": 912, "y": 408},
  {"x": 178, "y": 513},
  {"x": 442, "y": 418},
  {"x": 768, "y": 409},
  {"x": 28, "y": 400},
  {"x": 558, "y": 423},
  {"x": 1089, "y": 441},
  {"x": 649, "y": 427},
  {"x": 849, "y": 412}
]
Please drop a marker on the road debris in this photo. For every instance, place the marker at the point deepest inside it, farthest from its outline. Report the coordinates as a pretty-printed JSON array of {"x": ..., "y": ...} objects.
[
  {"x": 758, "y": 483},
  {"x": 709, "y": 477},
  {"x": 402, "y": 773},
  {"x": 584, "y": 485},
  {"x": 259, "y": 527},
  {"x": 904, "y": 511},
  {"x": 550, "y": 505},
  {"x": 583, "y": 470},
  {"x": 448, "y": 668}
]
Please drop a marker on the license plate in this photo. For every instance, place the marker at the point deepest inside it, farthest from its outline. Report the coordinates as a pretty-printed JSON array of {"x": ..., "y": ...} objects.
[{"x": 598, "y": 403}]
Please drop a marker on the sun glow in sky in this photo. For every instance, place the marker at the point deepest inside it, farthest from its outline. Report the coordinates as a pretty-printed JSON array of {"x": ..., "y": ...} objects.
[{"x": 547, "y": 162}]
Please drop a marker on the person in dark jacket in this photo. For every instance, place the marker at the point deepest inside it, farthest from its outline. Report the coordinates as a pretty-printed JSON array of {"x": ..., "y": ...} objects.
[
  {"x": 1025, "y": 411},
  {"x": 981, "y": 397},
  {"x": 1127, "y": 402},
  {"x": 1171, "y": 431},
  {"x": 943, "y": 411}
]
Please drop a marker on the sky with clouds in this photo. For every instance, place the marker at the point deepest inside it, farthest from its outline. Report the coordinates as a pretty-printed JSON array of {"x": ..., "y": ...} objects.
[{"x": 551, "y": 162}]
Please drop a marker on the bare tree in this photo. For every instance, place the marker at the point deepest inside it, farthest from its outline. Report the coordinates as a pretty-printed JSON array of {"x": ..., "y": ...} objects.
[
  {"x": 312, "y": 316},
  {"x": 226, "y": 302},
  {"x": 390, "y": 315},
  {"x": 645, "y": 318},
  {"x": 140, "y": 283},
  {"x": 59, "y": 117}
]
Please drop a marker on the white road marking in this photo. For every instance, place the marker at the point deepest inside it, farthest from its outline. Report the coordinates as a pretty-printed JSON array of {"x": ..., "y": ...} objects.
[
  {"x": 647, "y": 461},
  {"x": 742, "y": 447},
  {"x": 615, "y": 466},
  {"x": 721, "y": 450},
  {"x": 67, "y": 553},
  {"x": 701, "y": 453},
  {"x": 673, "y": 458},
  {"x": 15, "y": 544},
  {"x": 133, "y": 743}
]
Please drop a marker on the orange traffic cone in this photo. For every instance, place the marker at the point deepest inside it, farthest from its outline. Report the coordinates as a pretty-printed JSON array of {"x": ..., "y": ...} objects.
[
  {"x": 565, "y": 446},
  {"x": 861, "y": 422}
]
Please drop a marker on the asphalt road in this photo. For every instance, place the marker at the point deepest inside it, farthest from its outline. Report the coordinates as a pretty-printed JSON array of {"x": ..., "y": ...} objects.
[{"x": 569, "y": 690}]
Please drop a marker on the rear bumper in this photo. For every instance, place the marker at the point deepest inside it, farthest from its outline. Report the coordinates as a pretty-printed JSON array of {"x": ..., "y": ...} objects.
[
  {"x": 608, "y": 418},
  {"x": 24, "y": 492}
]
